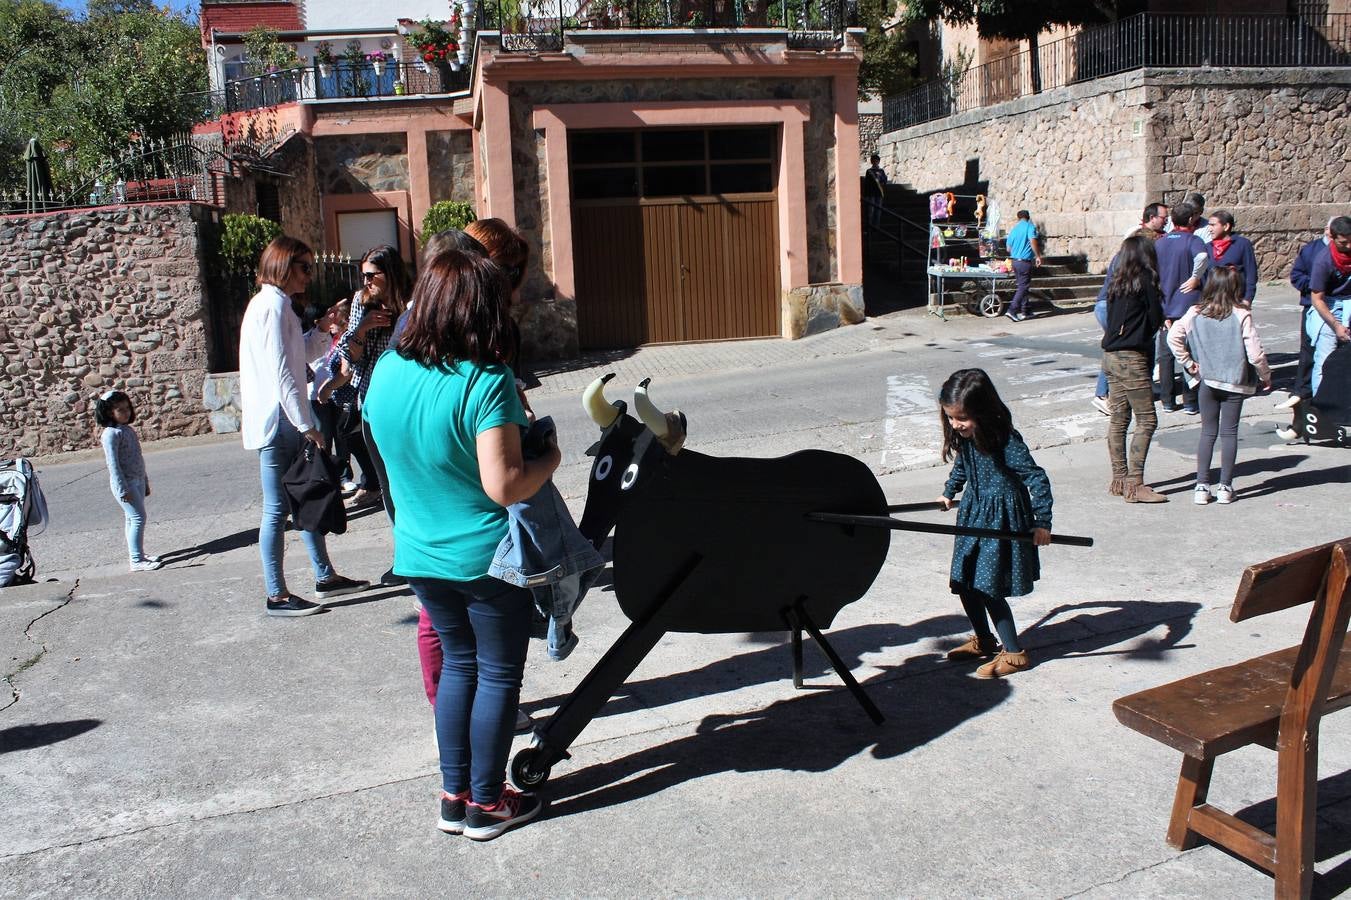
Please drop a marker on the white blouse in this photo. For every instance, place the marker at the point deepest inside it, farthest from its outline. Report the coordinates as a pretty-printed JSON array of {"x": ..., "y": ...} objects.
[{"x": 272, "y": 355}]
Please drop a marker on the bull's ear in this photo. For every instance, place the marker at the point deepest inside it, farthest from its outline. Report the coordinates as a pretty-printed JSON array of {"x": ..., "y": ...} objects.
[{"x": 593, "y": 449}]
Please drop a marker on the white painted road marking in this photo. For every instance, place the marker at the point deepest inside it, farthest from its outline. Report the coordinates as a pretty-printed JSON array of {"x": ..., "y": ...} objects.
[{"x": 912, "y": 435}]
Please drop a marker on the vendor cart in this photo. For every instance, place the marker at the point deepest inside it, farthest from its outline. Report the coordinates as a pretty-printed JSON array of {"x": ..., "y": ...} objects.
[{"x": 990, "y": 303}]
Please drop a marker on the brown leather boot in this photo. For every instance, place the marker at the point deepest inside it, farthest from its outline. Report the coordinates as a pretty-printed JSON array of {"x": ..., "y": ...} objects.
[
  {"x": 975, "y": 648},
  {"x": 1136, "y": 491},
  {"x": 1118, "y": 485},
  {"x": 1005, "y": 664}
]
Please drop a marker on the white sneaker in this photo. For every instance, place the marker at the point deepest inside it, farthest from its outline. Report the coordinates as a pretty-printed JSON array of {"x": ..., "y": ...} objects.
[
  {"x": 1201, "y": 496},
  {"x": 1224, "y": 494},
  {"x": 1289, "y": 403},
  {"x": 1100, "y": 404},
  {"x": 146, "y": 565},
  {"x": 1286, "y": 433}
]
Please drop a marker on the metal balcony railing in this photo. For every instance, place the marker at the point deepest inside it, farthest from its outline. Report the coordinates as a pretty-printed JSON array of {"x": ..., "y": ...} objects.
[
  {"x": 528, "y": 26},
  {"x": 1146, "y": 40},
  {"x": 338, "y": 81}
]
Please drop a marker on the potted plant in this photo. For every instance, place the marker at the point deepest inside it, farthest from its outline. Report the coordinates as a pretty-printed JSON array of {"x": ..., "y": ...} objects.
[
  {"x": 324, "y": 58},
  {"x": 377, "y": 59},
  {"x": 436, "y": 46}
]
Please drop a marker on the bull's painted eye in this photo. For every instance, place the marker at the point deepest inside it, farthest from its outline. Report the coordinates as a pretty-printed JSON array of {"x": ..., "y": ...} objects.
[
  {"x": 630, "y": 476},
  {"x": 603, "y": 467}
]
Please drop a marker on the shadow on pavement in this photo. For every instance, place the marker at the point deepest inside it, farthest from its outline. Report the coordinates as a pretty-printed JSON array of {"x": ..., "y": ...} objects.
[
  {"x": 805, "y": 734},
  {"x": 236, "y": 541},
  {"x": 1333, "y": 838},
  {"x": 1244, "y": 468},
  {"x": 767, "y": 665},
  {"x": 26, "y": 737},
  {"x": 799, "y": 735},
  {"x": 1339, "y": 474},
  {"x": 1061, "y": 632}
]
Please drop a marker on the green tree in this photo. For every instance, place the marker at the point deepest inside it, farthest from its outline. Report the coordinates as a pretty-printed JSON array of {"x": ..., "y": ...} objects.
[
  {"x": 36, "y": 37},
  {"x": 888, "y": 64},
  {"x": 1021, "y": 20},
  {"x": 92, "y": 85}
]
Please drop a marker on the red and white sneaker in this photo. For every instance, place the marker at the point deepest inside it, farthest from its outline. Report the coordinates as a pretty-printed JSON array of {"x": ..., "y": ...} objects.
[{"x": 483, "y": 823}]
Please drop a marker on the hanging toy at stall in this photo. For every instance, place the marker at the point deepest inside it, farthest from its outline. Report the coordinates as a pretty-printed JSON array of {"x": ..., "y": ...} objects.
[
  {"x": 951, "y": 202},
  {"x": 938, "y": 207},
  {"x": 935, "y": 237},
  {"x": 980, "y": 209}
]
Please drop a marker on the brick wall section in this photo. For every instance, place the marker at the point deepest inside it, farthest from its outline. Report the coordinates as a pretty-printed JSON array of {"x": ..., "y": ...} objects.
[
  {"x": 94, "y": 300},
  {"x": 1086, "y": 158}
]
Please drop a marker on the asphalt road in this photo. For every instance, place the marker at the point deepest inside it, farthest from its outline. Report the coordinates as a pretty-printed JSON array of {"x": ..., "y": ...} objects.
[
  {"x": 876, "y": 404},
  {"x": 161, "y": 737}
]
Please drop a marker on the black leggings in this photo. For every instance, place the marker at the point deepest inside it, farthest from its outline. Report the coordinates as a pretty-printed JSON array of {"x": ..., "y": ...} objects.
[
  {"x": 378, "y": 467},
  {"x": 978, "y": 606},
  {"x": 1219, "y": 417}
]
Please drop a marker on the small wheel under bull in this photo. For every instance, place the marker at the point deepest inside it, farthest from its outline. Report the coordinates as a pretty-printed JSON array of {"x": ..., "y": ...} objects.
[
  {"x": 991, "y": 305},
  {"x": 528, "y": 770}
]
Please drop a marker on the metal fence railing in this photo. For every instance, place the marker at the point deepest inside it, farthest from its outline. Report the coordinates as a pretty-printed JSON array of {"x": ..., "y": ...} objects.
[
  {"x": 148, "y": 171},
  {"x": 1144, "y": 40},
  {"x": 229, "y": 291},
  {"x": 335, "y": 81},
  {"x": 537, "y": 27}
]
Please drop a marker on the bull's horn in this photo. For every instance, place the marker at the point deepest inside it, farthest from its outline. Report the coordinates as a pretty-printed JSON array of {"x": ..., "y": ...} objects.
[
  {"x": 653, "y": 418},
  {"x": 669, "y": 428},
  {"x": 595, "y": 404}
]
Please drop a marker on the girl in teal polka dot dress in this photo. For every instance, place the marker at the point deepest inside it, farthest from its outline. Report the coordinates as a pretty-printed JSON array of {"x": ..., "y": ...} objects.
[{"x": 1002, "y": 488}]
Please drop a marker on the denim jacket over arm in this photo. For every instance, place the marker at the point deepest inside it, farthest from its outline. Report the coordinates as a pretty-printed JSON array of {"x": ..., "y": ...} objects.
[{"x": 544, "y": 552}]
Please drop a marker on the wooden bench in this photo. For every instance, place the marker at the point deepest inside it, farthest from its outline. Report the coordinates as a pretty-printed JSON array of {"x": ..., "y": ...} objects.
[{"x": 1274, "y": 700}]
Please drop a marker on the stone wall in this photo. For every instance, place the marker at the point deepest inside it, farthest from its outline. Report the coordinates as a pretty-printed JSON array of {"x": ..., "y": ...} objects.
[
  {"x": 362, "y": 163},
  {"x": 1267, "y": 145},
  {"x": 869, "y": 133},
  {"x": 450, "y": 163},
  {"x": 1075, "y": 157},
  {"x": 94, "y": 300},
  {"x": 1085, "y": 159}
]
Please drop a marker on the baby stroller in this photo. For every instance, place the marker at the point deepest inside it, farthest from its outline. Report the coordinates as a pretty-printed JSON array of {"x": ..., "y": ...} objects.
[
  {"x": 23, "y": 513},
  {"x": 1327, "y": 417}
]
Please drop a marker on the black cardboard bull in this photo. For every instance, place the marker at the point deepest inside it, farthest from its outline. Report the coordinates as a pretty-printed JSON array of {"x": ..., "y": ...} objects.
[{"x": 712, "y": 545}]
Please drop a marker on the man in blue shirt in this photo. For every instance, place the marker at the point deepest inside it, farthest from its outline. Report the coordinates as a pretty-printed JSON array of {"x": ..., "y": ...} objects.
[
  {"x": 1183, "y": 261},
  {"x": 1300, "y": 274},
  {"x": 1023, "y": 244}
]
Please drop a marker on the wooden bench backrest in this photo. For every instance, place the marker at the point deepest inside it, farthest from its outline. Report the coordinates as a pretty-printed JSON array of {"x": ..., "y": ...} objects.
[{"x": 1284, "y": 582}]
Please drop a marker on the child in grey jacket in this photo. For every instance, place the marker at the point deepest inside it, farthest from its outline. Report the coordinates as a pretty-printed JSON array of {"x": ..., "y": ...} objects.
[
  {"x": 126, "y": 471},
  {"x": 1218, "y": 347}
]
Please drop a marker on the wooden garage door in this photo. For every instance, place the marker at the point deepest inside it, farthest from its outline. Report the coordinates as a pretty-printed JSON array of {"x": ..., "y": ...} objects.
[{"x": 676, "y": 236}]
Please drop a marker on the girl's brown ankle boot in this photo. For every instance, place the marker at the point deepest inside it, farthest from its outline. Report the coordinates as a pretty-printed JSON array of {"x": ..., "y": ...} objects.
[{"x": 1136, "y": 491}]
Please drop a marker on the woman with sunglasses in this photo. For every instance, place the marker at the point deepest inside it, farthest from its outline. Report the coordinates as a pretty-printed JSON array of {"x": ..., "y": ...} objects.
[
  {"x": 276, "y": 418},
  {"x": 375, "y": 308}
]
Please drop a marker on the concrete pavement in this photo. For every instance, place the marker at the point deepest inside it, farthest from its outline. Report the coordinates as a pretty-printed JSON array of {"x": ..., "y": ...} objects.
[{"x": 166, "y": 739}]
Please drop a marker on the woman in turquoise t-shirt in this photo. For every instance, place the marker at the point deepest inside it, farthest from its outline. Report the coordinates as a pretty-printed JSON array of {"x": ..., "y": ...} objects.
[{"x": 444, "y": 411}]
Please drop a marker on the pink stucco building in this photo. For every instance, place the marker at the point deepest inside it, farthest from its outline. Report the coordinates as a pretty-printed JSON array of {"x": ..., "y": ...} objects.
[{"x": 674, "y": 183}]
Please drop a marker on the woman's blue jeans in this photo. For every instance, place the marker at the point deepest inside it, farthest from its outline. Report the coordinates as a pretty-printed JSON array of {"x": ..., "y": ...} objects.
[
  {"x": 273, "y": 461},
  {"x": 134, "y": 508},
  {"x": 484, "y": 626},
  {"x": 1100, "y": 313}
]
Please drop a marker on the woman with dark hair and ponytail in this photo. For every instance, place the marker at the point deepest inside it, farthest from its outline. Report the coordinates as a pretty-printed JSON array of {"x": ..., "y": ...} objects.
[
  {"x": 375, "y": 308},
  {"x": 1134, "y": 315},
  {"x": 384, "y": 295}
]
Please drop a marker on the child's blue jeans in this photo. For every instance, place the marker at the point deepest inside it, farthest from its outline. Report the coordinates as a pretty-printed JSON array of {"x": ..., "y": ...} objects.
[{"x": 134, "y": 508}]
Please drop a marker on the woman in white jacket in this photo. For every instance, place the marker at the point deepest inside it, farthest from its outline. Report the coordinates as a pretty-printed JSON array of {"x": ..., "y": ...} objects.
[{"x": 276, "y": 416}]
